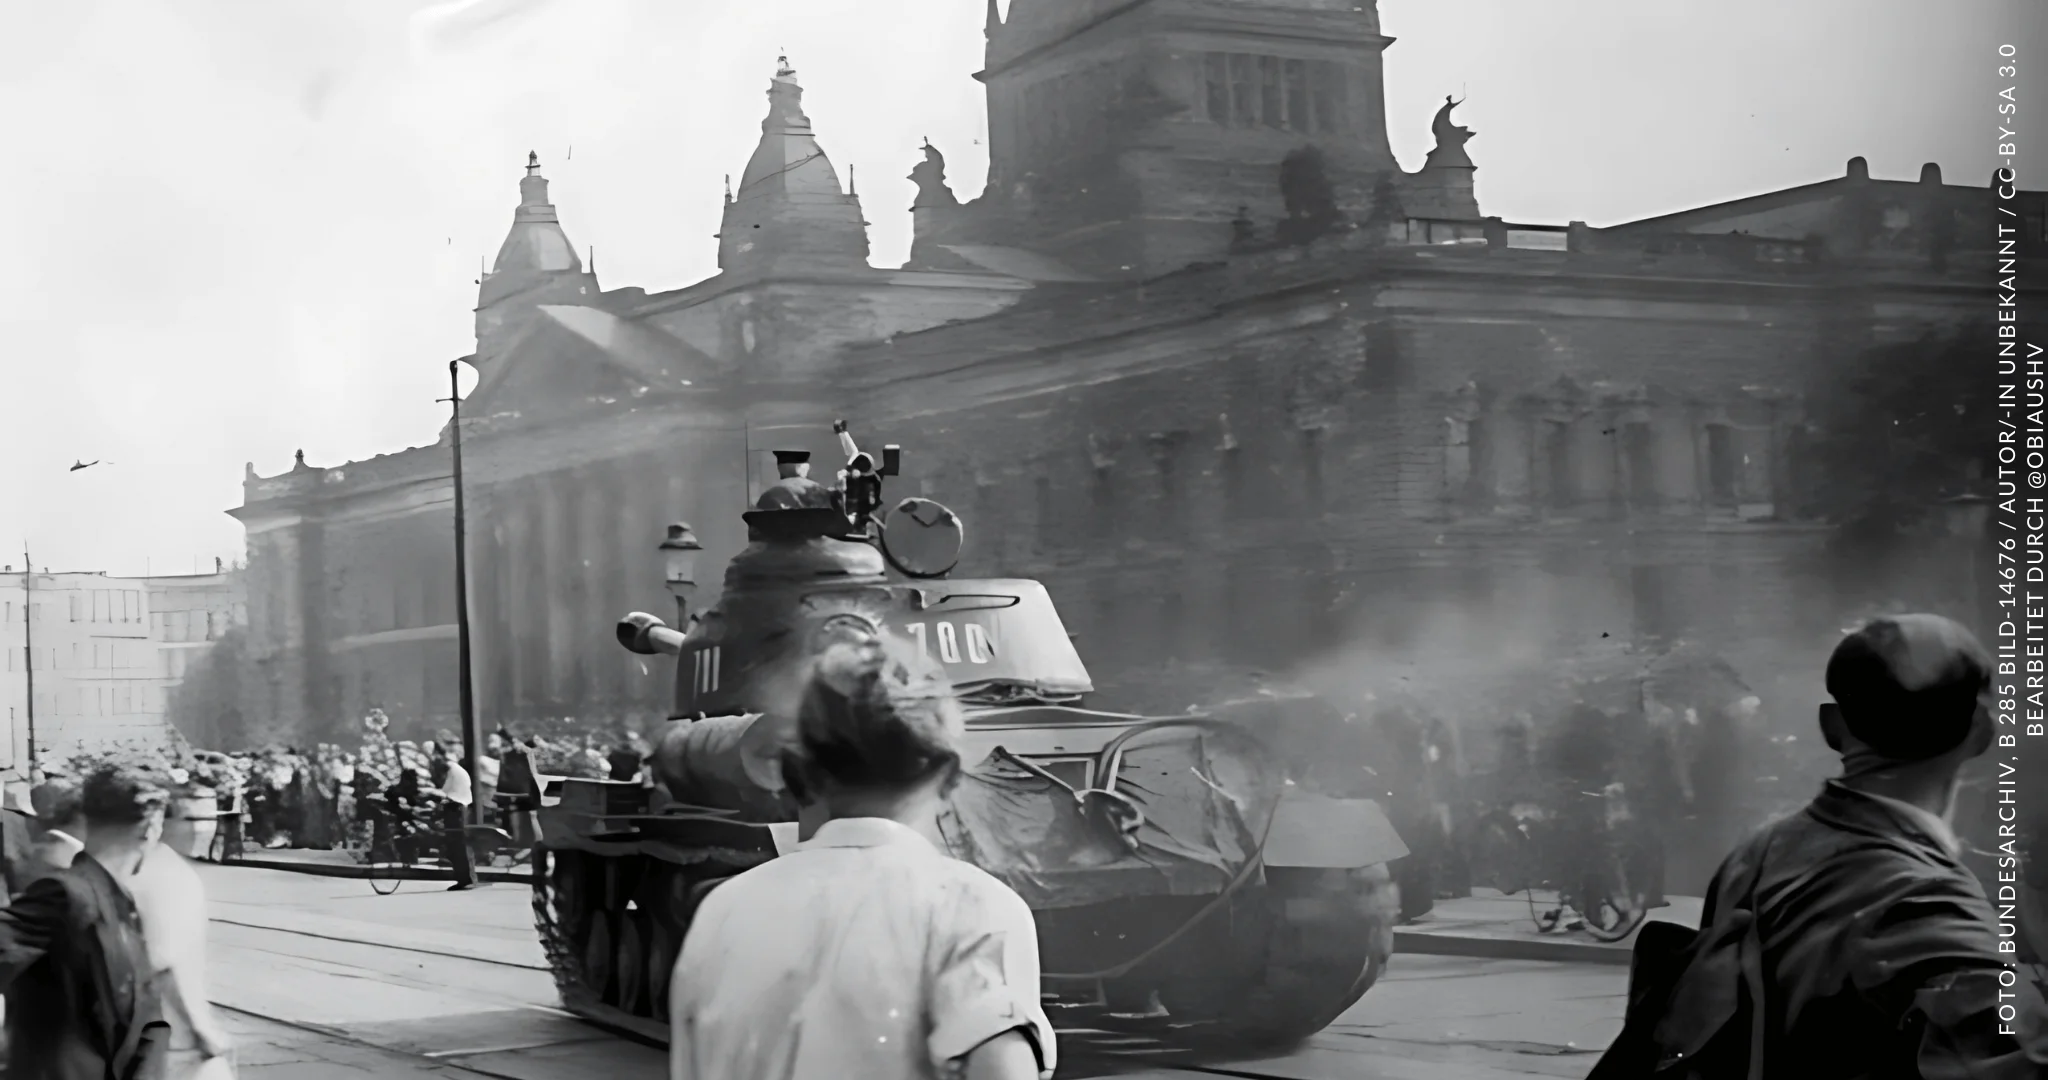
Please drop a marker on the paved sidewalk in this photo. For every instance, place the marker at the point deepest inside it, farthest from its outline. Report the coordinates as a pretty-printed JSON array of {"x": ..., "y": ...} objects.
[{"x": 1490, "y": 925}]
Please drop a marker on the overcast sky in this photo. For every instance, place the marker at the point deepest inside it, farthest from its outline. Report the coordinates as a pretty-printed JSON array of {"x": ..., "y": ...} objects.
[{"x": 245, "y": 227}]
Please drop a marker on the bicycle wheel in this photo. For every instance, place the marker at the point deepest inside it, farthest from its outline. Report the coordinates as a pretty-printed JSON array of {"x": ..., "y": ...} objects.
[
  {"x": 1612, "y": 908},
  {"x": 386, "y": 868}
]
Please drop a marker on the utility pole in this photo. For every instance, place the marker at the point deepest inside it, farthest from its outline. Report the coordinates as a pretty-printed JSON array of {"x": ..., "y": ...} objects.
[
  {"x": 468, "y": 703},
  {"x": 28, "y": 649}
]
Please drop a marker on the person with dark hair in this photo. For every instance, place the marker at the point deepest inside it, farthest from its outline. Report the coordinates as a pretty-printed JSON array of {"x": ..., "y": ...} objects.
[
  {"x": 59, "y": 827},
  {"x": 866, "y": 951},
  {"x": 1847, "y": 940},
  {"x": 81, "y": 1004}
]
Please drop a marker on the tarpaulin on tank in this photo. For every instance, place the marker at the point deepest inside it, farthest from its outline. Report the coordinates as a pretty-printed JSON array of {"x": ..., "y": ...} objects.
[{"x": 1206, "y": 797}]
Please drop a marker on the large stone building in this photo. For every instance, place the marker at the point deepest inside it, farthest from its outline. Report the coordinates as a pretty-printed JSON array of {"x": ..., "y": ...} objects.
[{"x": 1202, "y": 357}]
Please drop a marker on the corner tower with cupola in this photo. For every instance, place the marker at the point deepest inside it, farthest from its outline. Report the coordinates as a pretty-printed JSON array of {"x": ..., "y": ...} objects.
[
  {"x": 536, "y": 266},
  {"x": 789, "y": 212}
]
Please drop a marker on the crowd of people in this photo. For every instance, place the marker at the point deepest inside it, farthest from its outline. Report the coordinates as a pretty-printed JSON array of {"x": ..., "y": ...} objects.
[{"x": 293, "y": 798}]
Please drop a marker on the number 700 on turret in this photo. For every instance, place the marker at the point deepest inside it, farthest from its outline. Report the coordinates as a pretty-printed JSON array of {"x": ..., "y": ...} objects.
[{"x": 953, "y": 643}]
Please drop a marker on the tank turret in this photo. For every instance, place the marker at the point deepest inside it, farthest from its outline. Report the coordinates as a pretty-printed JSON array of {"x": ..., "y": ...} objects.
[{"x": 1122, "y": 829}]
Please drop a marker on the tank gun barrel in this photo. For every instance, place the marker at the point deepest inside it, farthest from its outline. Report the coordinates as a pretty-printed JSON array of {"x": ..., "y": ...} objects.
[{"x": 646, "y": 635}]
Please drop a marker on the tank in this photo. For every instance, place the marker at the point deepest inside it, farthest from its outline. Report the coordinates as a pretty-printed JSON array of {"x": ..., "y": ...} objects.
[{"x": 1186, "y": 882}]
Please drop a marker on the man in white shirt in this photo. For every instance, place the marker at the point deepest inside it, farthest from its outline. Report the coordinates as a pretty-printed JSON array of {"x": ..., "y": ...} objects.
[
  {"x": 455, "y": 790},
  {"x": 171, "y": 902},
  {"x": 867, "y": 951}
]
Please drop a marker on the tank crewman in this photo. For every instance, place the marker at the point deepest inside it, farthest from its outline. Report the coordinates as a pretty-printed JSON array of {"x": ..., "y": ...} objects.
[{"x": 795, "y": 490}]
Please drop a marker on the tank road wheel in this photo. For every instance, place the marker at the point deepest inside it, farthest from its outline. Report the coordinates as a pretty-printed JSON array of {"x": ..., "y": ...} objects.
[
  {"x": 1329, "y": 935},
  {"x": 598, "y": 959},
  {"x": 663, "y": 946},
  {"x": 631, "y": 964},
  {"x": 662, "y": 898}
]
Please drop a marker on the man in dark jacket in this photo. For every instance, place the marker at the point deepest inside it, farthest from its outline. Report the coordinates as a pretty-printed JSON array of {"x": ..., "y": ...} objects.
[
  {"x": 80, "y": 1002},
  {"x": 1873, "y": 951}
]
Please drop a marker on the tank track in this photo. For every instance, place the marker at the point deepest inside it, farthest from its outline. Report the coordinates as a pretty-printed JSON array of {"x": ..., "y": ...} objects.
[
  {"x": 1328, "y": 937},
  {"x": 612, "y": 925},
  {"x": 564, "y": 959},
  {"x": 1296, "y": 953}
]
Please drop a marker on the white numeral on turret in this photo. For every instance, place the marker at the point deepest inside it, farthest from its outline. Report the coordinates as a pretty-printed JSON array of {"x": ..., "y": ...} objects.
[
  {"x": 980, "y": 650},
  {"x": 706, "y": 661}
]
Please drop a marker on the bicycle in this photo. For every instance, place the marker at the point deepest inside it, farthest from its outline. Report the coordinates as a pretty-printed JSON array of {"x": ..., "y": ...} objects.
[
  {"x": 386, "y": 843},
  {"x": 1527, "y": 849}
]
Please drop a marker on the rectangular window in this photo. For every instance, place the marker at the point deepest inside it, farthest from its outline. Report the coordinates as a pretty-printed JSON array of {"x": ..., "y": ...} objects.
[
  {"x": 1724, "y": 465},
  {"x": 1104, "y": 505},
  {"x": 180, "y": 626},
  {"x": 1560, "y": 483},
  {"x": 124, "y": 700},
  {"x": 77, "y": 607},
  {"x": 1272, "y": 93},
  {"x": 1233, "y": 480},
  {"x": 1326, "y": 90},
  {"x": 1639, "y": 453},
  {"x": 1457, "y": 457},
  {"x": 1244, "y": 101},
  {"x": 1216, "y": 87},
  {"x": 99, "y": 606},
  {"x": 1297, "y": 95}
]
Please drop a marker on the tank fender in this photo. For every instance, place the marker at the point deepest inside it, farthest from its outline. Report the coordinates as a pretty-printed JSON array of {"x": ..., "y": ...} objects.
[{"x": 1322, "y": 833}]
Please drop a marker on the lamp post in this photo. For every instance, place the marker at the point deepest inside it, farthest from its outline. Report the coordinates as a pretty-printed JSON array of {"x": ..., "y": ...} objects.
[
  {"x": 28, "y": 654},
  {"x": 679, "y": 553},
  {"x": 467, "y": 703}
]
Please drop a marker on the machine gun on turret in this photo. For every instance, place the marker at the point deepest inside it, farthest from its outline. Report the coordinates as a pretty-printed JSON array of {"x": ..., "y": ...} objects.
[{"x": 860, "y": 482}]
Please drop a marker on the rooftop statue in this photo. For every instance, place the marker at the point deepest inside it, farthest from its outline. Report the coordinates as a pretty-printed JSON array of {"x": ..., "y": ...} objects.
[
  {"x": 930, "y": 177},
  {"x": 1450, "y": 138}
]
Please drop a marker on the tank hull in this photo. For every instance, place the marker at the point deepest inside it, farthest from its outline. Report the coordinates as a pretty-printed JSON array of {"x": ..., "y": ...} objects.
[{"x": 1249, "y": 930}]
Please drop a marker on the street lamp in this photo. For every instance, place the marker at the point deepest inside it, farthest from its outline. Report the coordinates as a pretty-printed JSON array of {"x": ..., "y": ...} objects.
[{"x": 679, "y": 553}]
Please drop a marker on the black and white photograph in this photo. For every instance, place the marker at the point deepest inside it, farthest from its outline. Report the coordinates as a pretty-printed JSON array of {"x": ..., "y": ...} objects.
[{"x": 1024, "y": 539}]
